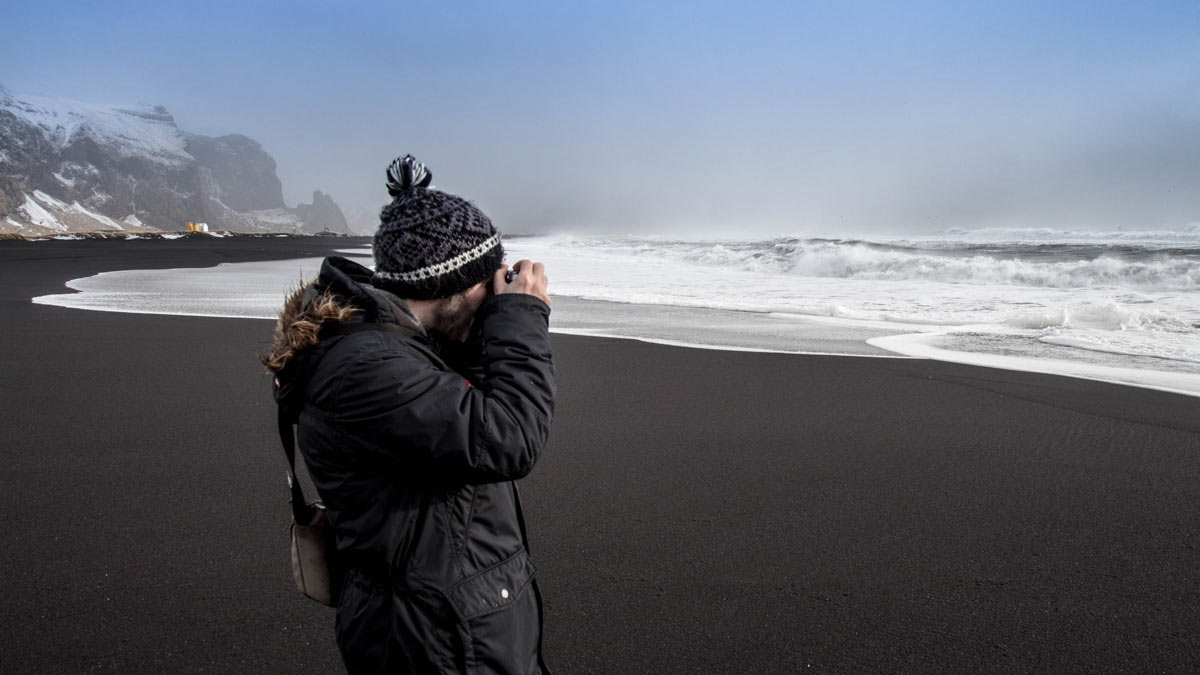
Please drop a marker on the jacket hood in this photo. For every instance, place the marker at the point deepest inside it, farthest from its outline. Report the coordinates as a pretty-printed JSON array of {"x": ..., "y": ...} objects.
[{"x": 342, "y": 292}]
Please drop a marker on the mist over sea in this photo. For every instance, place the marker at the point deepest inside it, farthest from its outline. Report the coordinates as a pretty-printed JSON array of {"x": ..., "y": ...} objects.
[{"x": 1121, "y": 306}]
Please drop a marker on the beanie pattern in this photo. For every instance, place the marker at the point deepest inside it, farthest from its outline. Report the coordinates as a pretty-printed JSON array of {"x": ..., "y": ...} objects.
[
  {"x": 442, "y": 268},
  {"x": 431, "y": 244}
]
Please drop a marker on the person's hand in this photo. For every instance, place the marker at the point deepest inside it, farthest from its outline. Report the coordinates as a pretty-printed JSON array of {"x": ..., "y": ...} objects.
[{"x": 529, "y": 278}]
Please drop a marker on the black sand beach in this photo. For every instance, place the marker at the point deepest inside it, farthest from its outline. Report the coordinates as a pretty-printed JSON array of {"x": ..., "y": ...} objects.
[{"x": 697, "y": 511}]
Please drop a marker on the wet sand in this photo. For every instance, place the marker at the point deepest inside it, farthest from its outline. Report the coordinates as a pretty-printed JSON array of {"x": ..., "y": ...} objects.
[{"x": 696, "y": 512}]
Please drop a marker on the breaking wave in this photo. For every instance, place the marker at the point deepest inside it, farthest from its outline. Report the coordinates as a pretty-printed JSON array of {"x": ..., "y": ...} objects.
[{"x": 1038, "y": 265}]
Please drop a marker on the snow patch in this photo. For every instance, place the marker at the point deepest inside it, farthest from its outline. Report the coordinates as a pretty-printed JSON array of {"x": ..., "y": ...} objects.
[
  {"x": 50, "y": 201},
  {"x": 15, "y": 223},
  {"x": 132, "y": 221},
  {"x": 40, "y": 216},
  {"x": 69, "y": 182},
  {"x": 79, "y": 208},
  {"x": 139, "y": 131},
  {"x": 49, "y": 212},
  {"x": 277, "y": 219}
]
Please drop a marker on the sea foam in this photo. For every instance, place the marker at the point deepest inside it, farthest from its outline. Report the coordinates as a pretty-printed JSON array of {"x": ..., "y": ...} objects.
[
  {"x": 1061, "y": 266},
  {"x": 1126, "y": 313}
]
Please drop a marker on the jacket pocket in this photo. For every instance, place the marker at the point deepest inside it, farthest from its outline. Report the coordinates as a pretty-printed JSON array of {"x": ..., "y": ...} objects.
[{"x": 497, "y": 617}]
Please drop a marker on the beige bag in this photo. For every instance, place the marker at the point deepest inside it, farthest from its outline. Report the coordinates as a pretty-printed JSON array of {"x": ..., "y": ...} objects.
[{"x": 314, "y": 548}]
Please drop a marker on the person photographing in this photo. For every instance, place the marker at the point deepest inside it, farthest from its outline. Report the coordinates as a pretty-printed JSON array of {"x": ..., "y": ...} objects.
[{"x": 422, "y": 391}]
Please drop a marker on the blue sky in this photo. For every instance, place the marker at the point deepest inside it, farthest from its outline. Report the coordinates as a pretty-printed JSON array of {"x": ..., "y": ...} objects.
[{"x": 763, "y": 117}]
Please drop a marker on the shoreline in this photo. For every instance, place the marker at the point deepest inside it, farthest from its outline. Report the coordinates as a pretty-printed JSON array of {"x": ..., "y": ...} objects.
[{"x": 701, "y": 328}]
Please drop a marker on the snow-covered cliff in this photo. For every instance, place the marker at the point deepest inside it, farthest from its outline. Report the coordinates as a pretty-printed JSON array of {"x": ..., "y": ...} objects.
[{"x": 69, "y": 166}]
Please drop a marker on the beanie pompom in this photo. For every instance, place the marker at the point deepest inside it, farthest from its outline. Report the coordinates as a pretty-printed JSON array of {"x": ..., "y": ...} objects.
[{"x": 406, "y": 173}]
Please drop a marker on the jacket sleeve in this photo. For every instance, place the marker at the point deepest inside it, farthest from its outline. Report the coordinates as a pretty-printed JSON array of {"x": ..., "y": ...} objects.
[{"x": 402, "y": 406}]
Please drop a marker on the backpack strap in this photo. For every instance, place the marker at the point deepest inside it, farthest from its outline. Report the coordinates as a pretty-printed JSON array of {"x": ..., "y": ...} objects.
[{"x": 288, "y": 437}]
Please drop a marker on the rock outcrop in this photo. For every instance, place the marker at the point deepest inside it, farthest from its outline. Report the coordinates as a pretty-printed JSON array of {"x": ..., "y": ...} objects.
[{"x": 323, "y": 215}]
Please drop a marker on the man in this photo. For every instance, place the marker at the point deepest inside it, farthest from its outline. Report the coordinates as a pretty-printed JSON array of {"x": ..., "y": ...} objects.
[{"x": 422, "y": 390}]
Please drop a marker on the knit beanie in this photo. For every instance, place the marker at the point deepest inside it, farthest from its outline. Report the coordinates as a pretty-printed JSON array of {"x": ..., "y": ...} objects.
[{"x": 430, "y": 244}]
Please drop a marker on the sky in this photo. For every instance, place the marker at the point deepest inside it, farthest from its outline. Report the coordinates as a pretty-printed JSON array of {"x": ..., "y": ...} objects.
[{"x": 727, "y": 119}]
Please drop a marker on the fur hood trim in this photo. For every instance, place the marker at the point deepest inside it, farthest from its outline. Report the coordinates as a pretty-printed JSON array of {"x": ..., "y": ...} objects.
[{"x": 342, "y": 293}]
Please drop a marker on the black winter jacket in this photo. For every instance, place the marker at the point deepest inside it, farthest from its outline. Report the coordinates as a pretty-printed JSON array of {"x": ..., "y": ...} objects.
[{"x": 414, "y": 451}]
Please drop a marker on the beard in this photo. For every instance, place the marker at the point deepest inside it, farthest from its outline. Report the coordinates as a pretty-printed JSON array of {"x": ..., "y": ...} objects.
[{"x": 453, "y": 317}]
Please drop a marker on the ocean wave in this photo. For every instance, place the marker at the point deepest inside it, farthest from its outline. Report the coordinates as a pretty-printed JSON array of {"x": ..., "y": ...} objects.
[
  {"x": 1038, "y": 265},
  {"x": 856, "y": 261},
  {"x": 1107, "y": 316}
]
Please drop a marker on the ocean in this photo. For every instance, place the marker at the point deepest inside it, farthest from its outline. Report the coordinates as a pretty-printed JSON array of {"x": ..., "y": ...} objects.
[{"x": 1119, "y": 306}]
